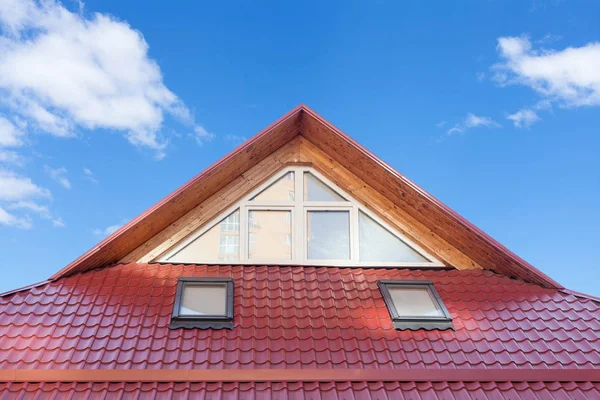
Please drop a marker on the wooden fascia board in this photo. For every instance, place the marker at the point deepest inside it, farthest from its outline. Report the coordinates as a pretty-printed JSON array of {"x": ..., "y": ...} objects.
[
  {"x": 303, "y": 120},
  {"x": 305, "y": 375},
  {"x": 422, "y": 202},
  {"x": 182, "y": 200}
]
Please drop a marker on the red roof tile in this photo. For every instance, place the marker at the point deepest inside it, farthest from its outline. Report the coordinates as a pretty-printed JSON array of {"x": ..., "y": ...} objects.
[
  {"x": 293, "y": 317},
  {"x": 299, "y": 390}
]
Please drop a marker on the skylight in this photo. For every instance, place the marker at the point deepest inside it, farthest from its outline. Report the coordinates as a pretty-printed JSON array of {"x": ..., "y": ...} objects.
[
  {"x": 415, "y": 305},
  {"x": 203, "y": 303},
  {"x": 299, "y": 217}
]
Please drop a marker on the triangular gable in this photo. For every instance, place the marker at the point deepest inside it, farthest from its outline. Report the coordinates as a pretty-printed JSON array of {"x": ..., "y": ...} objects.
[{"x": 303, "y": 122}]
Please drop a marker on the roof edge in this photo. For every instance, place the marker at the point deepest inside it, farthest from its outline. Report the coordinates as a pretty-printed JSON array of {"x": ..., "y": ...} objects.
[
  {"x": 72, "y": 267},
  {"x": 437, "y": 203},
  {"x": 24, "y": 288},
  {"x": 580, "y": 295}
]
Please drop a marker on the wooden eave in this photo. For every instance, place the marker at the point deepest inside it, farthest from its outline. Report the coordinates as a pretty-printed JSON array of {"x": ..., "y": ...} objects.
[{"x": 421, "y": 205}]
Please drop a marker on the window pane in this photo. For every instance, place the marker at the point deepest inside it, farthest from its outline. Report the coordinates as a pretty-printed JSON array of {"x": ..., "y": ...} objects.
[
  {"x": 315, "y": 190},
  {"x": 414, "y": 302},
  {"x": 377, "y": 244},
  {"x": 282, "y": 190},
  {"x": 267, "y": 235},
  {"x": 219, "y": 243},
  {"x": 204, "y": 300},
  {"x": 328, "y": 235}
]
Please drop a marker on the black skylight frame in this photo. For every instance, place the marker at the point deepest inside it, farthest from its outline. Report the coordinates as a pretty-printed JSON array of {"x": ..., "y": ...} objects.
[
  {"x": 203, "y": 321},
  {"x": 415, "y": 322}
]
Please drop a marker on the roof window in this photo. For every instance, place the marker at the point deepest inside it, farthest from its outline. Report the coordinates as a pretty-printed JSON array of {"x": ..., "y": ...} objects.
[
  {"x": 415, "y": 305},
  {"x": 203, "y": 303}
]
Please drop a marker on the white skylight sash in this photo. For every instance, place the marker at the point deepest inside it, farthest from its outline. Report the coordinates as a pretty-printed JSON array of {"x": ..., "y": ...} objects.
[{"x": 298, "y": 217}]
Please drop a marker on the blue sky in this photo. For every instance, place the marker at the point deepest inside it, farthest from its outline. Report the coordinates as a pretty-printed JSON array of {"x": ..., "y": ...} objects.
[{"x": 491, "y": 106}]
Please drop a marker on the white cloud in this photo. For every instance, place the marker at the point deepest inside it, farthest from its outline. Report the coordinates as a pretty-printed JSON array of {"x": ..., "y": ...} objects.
[
  {"x": 58, "y": 174},
  {"x": 108, "y": 230},
  {"x": 10, "y": 135},
  {"x": 472, "y": 121},
  {"x": 14, "y": 187},
  {"x": 89, "y": 175},
  {"x": 568, "y": 77},
  {"x": 10, "y": 157},
  {"x": 524, "y": 118},
  {"x": 440, "y": 124},
  {"x": 58, "y": 222},
  {"x": 60, "y": 70},
  {"x": 38, "y": 209},
  {"x": 8, "y": 219},
  {"x": 31, "y": 206},
  {"x": 17, "y": 193},
  {"x": 202, "y": 135}
]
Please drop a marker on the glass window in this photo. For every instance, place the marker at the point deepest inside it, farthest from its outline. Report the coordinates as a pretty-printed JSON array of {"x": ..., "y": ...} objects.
[
  {"x": 315, "y": 190},
  {"x": 415, "y": 305},
  {"x": 203, "y": 303},
  {"x": 221, "y": 242},
  {"x": 282, "y": 189},
  {"x": 297, "y": 208},
  {"x": 413, "y": 301},
  {"x": 229, "y": 247},
  {"x": 231, "y": 223},
  {"x": 377, "y": 244},
  {"x": 203, "y": 300},
  {"x": 268, "y": 230},
  {"x": 328, "y": 235}
]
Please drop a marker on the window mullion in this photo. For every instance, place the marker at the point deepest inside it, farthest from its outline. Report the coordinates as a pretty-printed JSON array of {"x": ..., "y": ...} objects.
[
  {"x": 243, "y": 232},
  {"x": 298, "y": 218},
  {"x": 354, "y": 243}
]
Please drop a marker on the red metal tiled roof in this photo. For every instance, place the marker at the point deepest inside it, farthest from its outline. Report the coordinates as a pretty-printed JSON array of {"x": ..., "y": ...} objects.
[
  {"x": 299, "y": 390},
  {"x": 293, "y": 317}
]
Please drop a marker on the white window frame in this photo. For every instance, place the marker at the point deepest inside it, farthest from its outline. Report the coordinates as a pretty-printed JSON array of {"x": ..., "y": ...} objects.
[{"x": 299, "y": 214}]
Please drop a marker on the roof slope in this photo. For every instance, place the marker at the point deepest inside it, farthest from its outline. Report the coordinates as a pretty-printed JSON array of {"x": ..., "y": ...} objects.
[
  {"x": 305, "y": 122},
  {"x": 293, "y": 317}
]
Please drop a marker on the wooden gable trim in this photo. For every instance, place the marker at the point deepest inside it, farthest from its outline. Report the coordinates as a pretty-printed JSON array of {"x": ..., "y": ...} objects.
[
  {"x": 403, "y": 193},
  {"x": 300, "y": 151}
]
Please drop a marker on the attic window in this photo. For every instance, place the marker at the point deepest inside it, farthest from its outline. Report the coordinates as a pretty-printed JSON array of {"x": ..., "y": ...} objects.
[
  {"x": 298, "y": 217},
  {"x": 415, "y": 305},
  {"x": 203, "y": 303}
]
